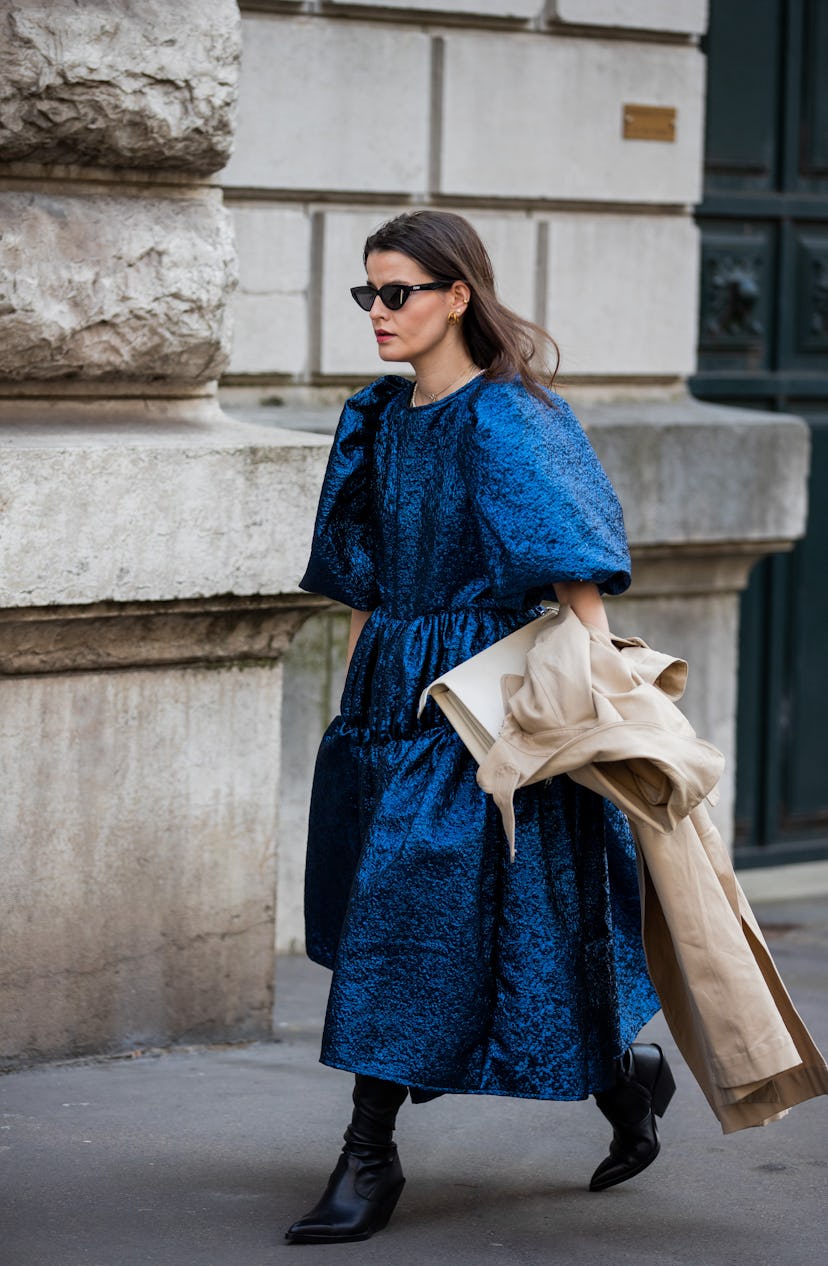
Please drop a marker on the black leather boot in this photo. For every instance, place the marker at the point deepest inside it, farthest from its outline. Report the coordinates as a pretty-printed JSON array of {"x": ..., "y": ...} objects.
[
  {"x": 643, "y": 1088},
  {"x": 365, "y": 1186}
]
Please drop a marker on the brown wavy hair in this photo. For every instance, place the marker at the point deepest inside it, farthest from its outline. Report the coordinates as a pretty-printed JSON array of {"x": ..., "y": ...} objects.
[{"x": 449, "y": 249}]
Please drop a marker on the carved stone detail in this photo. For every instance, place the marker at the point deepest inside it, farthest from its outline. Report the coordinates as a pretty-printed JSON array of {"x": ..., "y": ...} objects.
[
  {"x": 113, "y": 288},
  {"x": 122, "y": 83},
  {"x": 732, "y": 291}
]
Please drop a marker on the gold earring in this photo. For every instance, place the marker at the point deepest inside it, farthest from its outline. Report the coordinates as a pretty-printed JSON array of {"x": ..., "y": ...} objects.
[{"x": 453, "y": 318}]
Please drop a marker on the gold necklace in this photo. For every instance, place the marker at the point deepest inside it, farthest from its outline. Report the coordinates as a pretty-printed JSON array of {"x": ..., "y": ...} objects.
[{"x": 466, "y": 375}]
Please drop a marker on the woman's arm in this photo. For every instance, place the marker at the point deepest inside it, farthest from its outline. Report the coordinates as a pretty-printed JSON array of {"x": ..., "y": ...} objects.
[
  {"x": 585, "y": 600},
  {"x": 358, "y": 622}
]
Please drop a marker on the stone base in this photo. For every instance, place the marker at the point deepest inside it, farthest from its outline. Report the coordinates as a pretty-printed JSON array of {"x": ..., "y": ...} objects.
[
  {"x": 139, "y": 827},
  {"x": 140, "y": 752},
  {"x": 140, "y": 743}
]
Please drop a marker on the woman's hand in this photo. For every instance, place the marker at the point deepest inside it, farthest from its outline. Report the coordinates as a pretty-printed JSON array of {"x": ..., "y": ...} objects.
[{"x": 585, "y": 600}]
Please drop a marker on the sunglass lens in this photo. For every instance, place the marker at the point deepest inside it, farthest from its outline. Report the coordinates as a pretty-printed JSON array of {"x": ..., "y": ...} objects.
[
  {"x": 364, "y": 296},
  {"x": 393, "y": 296}
]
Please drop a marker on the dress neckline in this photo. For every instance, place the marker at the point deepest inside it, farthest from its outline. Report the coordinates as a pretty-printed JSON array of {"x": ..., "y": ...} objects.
[{"x": 435, "y": 404}]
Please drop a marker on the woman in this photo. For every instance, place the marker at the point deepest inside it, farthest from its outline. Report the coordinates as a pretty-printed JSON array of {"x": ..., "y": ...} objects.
[{"x": 450, "y": 508}]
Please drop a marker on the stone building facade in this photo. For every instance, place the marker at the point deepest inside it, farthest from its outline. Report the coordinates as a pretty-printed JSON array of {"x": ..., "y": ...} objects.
[
  {"x": 507, "y": 113},
  {"x": 150, "y": 544}
]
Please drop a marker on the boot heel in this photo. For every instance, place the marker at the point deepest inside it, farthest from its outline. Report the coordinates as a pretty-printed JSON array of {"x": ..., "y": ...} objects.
[
  {"x": 387, "y": 1207},
  {"x": 664, "y": 1088}
]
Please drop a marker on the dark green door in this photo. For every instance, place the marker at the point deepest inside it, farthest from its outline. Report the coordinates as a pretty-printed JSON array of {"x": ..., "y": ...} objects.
[{"x": 763, "y": 343}]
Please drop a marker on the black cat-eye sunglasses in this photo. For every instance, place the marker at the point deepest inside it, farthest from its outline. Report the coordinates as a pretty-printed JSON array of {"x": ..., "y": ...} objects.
[{"x": 393, "y": 295}]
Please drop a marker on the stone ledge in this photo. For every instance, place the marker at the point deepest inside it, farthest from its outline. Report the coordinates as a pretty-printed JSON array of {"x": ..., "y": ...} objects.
[
  {"x": 685, "y": 17},
  {"x": 102, "y": 408},
  {"x": 701, "y": 480},
  {"x": 684, "y": 570},
  {"x": 689, "y": 473},
  {"x": 130, "y": 512},
  {"x": 678, "y": 19},
  {"x": 128, "y": 83},
  {"x": 109, "y": 637},
  {"x": 506, "y": 11},
  {"x": 137, "y": 182},
  {"x": 123, "y": 512}
]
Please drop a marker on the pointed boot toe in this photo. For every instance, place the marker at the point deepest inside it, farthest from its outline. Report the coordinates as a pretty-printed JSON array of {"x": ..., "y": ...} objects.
[{"x": 626, "y": 1162}]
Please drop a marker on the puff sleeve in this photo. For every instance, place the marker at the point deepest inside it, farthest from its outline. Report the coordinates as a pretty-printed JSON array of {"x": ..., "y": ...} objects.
[
  {"x": 544, "y": 507},
  {"x": 342, "y": 560}
]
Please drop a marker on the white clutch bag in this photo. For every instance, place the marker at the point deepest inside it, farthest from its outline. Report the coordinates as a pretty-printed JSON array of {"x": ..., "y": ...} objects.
[{"x": 474, "y": 696}]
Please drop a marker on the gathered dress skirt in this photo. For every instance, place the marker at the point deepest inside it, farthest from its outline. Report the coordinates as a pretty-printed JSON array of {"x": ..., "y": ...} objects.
[{"x": 454, "y": 969}]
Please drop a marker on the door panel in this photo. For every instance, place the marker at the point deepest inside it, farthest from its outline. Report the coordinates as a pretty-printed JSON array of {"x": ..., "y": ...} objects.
[
  {"x": 805, "y": 801},
  {"x": 814, "y": 135},
  {"x": 810, "y": 280},
  {"x": 763, "y": 343},
  {"x": 742, "y": 96}
]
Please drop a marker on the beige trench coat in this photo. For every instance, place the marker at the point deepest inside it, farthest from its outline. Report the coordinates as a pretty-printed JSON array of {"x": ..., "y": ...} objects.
[{"x": 601, "y": 710}]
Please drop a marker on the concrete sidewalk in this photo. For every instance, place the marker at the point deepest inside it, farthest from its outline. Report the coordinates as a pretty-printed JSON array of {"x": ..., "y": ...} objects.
[{"x": 203, "y": 1157}]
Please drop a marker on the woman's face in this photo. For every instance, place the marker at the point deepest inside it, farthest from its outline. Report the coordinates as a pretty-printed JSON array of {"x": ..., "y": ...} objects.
[{"x": 421, "y": 326}]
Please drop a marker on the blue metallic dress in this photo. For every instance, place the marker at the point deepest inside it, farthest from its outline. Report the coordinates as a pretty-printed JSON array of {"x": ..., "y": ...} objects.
[{"x": 454, "y": 969}]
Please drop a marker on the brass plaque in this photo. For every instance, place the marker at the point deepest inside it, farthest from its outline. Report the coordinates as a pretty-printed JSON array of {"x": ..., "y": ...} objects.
[{"x": 649, "y": 123}]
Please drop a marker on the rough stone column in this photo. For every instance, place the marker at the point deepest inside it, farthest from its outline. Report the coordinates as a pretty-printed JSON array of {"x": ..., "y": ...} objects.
[
  {"x": 116, "y": 255},
  {"x": 149, "y": 547}
]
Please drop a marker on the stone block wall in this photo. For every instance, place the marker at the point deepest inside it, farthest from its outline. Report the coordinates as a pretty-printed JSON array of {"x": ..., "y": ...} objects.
[
  {"x": 509, "y": 113},
  {"x": 116, "y": 257}
]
